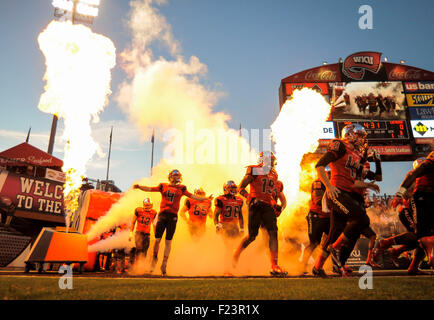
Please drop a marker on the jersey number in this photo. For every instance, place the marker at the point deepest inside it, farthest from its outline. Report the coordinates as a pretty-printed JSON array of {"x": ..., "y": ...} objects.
[
  {"x": 170, "y": 195},
  {"x": 232, "y": 211},
  {"x": 352, "y": 166},
  {"x": 267, "y": 185},
  {"x": 198, "y": 210},
  {"x": 144, "y": 220}
]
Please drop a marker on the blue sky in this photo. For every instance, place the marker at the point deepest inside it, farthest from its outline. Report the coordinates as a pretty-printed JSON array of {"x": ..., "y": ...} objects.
[{"x": 247, "y": 46}]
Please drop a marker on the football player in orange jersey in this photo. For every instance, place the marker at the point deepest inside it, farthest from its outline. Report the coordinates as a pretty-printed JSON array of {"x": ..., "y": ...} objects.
[
  {"x": 318, "y": 221},
  {"x": 348, "y": 217},
  {"x": 262, "y": 179},
  {"x": 198, "y": 211},
  {"x": 144, "y": 217},
  {"x": 228, "y": 216},
  {"x": 171, "y": 194}
]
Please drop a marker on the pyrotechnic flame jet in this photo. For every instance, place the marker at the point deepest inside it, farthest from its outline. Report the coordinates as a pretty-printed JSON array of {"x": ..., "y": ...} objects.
[
  {"x": 295, "y": 133},
  {"x": 77, "y": 87}
]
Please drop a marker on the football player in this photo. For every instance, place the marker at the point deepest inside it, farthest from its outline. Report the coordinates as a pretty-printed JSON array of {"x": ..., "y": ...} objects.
[
  {"x": 360, "y": 189},
  {"x": 171, "y": 194},
  {"x": 423, "y": 197},
  {"x": 318, "y": 221},
  {"x": 262, "y": 179},
  {"x": 348, "y": 217},
  {"x": 198, "y": 211},
  {"x": 228, "y": 216},
  {"x": 144, "y": 217},
  {"x": 407, "y": 240}
]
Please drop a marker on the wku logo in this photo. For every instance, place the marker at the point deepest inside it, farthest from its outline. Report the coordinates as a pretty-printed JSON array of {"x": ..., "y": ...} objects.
[{"x": 355, "y": 65}]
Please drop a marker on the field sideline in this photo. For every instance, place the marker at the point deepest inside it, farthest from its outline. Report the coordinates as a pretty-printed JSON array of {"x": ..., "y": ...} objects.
[{"x": 19, "y": 287}]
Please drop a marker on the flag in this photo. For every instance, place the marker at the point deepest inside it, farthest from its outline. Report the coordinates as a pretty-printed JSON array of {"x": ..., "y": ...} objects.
[{"x": 28, "y": 135}]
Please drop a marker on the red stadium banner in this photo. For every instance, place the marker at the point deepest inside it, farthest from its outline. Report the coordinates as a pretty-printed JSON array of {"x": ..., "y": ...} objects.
[
  {"x": 399, "y": 72},
  {"x": 393, "y": 150},
  {"x": 35, "y": 198},
  {"x": 327, "y": 73},
  {"x": 424, "y": 141}
]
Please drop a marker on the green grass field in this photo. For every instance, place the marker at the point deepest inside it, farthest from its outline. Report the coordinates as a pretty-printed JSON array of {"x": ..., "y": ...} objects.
[{"x": 47, "y": 288}]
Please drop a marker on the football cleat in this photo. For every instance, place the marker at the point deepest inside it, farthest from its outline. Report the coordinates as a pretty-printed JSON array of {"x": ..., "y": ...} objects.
[
  {"x": 163, "y": 269},
  {"x": 153, "y": 263},
  {"x": 277, "y": 271},
  {"x": 378, "y": 250},
  {"x": 428, "y": 245},
  {"x": 235, "y": 258},
  {"x": 319, "y": 273},
  {"x": 372, "y": 263},
  {"x": 347, "y": 269},
  {"x": 336, "y": 256},
  {"x": 394, "y": 255},
  {"x": 337, "y": 270},
  {"x": 345, "y": 273}
]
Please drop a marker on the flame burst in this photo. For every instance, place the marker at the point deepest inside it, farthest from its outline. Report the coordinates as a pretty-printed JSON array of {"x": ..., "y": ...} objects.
[
  {"x": 77, "y": 79},
  {"x": 295, "y": 133}
]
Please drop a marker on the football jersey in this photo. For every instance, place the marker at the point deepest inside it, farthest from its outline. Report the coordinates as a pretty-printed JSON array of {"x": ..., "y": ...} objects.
[
  {"x": 425, "y": 182},
  {"x": 198, "y": 210},
  {"x": 277, "y": 190},
  {"x": 230, "y": 208},
  {"x": 364, "y": 172},
  {"x": 316, "y": 194},
  {"x": 344, "y": 168},
  {"x": 144, "y": 219},
  {"x": 263, "y": 185},
  {"x": 171, "y": 196}
]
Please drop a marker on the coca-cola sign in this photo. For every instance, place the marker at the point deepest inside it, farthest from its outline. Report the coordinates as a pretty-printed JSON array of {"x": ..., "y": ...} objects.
[
  {"x": 398, "y": 72},
  {"x": 355, "y": 65},
  {"x": 318, "y": 75},
  {"x": 404, "y": 74}
]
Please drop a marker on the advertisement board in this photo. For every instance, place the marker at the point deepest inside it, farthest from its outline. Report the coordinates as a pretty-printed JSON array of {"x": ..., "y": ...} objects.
[
  {"x": 421, "y": 113},
  {"x": 422, "y": 128},
  {"x": 420, "y": 99},
  {"x": 31, "y": 194},
  {"x": 420, "y": 86}
]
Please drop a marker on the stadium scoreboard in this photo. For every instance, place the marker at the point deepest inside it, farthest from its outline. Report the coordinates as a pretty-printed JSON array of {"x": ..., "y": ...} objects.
[
  {"x": 380, "y": 130},
  {"x": 393, "y": 102}
]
